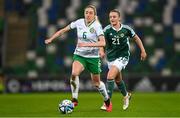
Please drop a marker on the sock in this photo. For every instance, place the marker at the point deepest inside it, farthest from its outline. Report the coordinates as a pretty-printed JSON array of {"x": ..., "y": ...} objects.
[
  {"x": 110, "y": 87},
  {"x": 122, "y": 87},
  {"x": 102, "y": 90},
  {"x": 107, "y": 102},
  {"x": 75, "y": 87}
]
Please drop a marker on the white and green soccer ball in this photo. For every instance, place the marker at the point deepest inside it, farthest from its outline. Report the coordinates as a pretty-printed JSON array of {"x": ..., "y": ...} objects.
[{"x": 66, "y": 106}]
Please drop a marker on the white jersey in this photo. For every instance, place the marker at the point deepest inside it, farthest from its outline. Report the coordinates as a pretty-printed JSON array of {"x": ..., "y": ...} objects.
[{"x": 87, "y": 34}]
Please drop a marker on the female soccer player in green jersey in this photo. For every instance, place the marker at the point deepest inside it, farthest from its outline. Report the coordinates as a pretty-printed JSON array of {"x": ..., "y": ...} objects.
[
  {"x": 117, "y": 37},
  {"x": 89, "y": 30}
]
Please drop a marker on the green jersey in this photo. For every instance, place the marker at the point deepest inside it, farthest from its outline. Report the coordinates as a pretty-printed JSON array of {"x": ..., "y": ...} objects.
[{"x": 117, "y": 42}]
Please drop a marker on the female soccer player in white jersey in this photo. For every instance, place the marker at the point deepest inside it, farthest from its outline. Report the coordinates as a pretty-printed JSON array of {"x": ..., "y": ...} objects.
[{"x": 89, "y": 31}]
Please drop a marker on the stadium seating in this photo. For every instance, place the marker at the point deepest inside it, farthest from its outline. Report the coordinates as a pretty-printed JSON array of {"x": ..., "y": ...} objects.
[{"x": 157, "y": 22}]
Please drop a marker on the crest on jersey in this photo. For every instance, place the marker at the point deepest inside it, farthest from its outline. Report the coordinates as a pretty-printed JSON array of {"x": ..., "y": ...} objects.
[
  {"x": 122, "y": 35},
  {"x": 92, "y": 30}
]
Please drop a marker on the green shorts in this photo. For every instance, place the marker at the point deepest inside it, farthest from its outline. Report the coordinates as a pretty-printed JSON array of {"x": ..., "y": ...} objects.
[{"x": 93, "y": 65}]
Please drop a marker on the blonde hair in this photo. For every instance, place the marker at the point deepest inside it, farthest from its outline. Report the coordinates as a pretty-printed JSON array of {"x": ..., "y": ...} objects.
[
  {"x": 93, "y": 7},
  {"x": 95, "y": 11}
]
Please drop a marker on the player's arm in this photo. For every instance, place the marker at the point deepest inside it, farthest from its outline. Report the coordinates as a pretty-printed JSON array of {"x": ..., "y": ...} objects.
[
  {"x": 140, "y": 45},
  {"x": 101, "y": 52},
  {"x": 100, "y": 43},
  {"x": 58, "y": 33}
]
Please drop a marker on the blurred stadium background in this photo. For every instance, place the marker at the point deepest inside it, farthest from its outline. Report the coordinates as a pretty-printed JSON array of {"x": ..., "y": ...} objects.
[{"x": 27, "y": 64}]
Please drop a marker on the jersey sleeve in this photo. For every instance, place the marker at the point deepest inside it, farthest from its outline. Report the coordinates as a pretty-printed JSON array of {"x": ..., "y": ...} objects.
[
  {"x": 131, "y": 32},
  {"x": 105, "y": 30},
  {"x": 105, "y": 33},
  {"x": 73, "y": 24}
]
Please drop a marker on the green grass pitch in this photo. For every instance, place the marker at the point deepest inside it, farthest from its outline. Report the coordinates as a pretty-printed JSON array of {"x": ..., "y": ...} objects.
[{"x": 46, "y": 105}]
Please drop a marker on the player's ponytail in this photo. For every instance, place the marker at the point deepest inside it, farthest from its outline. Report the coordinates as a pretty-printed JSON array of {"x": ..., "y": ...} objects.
[{"x": 96, "y": 18}]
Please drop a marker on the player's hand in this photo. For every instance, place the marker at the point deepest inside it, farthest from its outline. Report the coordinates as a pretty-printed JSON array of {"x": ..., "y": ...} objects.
[
  {"x": 101, "y": 53},
  {"x": 143, "y": 56},
  {"x": 47, "y": 41}
]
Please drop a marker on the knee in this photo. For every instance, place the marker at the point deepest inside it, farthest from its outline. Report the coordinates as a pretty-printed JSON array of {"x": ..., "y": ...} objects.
[
  {"x": 73, "y": 76},
  {"x": 110, "y": 76},
  {"x": 118, "y": 82},
  {"x": 74, "y": 73}
]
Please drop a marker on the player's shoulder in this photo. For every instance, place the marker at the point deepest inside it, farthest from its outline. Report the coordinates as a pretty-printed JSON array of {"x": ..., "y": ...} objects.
[
  {"x": 126, "y": 27},
  {"x": 79, "y": 21},
  {"x": 96, "y": 23},
  {"x": 107, "y": 28},
  {"x": 129, "y": 29}
]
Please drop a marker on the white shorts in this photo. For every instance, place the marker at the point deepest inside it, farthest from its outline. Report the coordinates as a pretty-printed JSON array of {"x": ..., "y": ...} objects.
[{"x": 120, "y": 63}]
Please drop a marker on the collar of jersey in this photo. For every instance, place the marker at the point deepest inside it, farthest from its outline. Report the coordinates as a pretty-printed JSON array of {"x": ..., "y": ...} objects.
[
  {"x": 87, "y": 25},
  {"x": 118, "y": 29}
]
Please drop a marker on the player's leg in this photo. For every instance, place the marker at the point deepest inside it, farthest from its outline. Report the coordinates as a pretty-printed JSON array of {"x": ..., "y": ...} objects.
[
  {"x": 102, "y": 89},
  {"x": 77, "y": 68},
  {"x": 120, "y": 84},
  {"x": 94, "y": 67},
  {"x": 121, "y": 64},
  {"x": 118, "y": 65},
  {"x": 122, "y": 87},
  {"x": 112, "y": 73}
]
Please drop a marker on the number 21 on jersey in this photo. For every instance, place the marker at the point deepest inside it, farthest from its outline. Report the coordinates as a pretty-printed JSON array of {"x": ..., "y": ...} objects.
[{"x": 115, "y": 41}]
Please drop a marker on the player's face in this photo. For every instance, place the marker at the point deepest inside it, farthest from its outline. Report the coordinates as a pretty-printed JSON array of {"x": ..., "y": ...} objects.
[
  {"x": 114, "y": 18},
  {"x": 89, "y": 14}
]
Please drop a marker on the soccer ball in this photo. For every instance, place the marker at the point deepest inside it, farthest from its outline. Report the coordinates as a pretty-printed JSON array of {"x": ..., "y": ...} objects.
[{"x": 66, "y": 106}]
